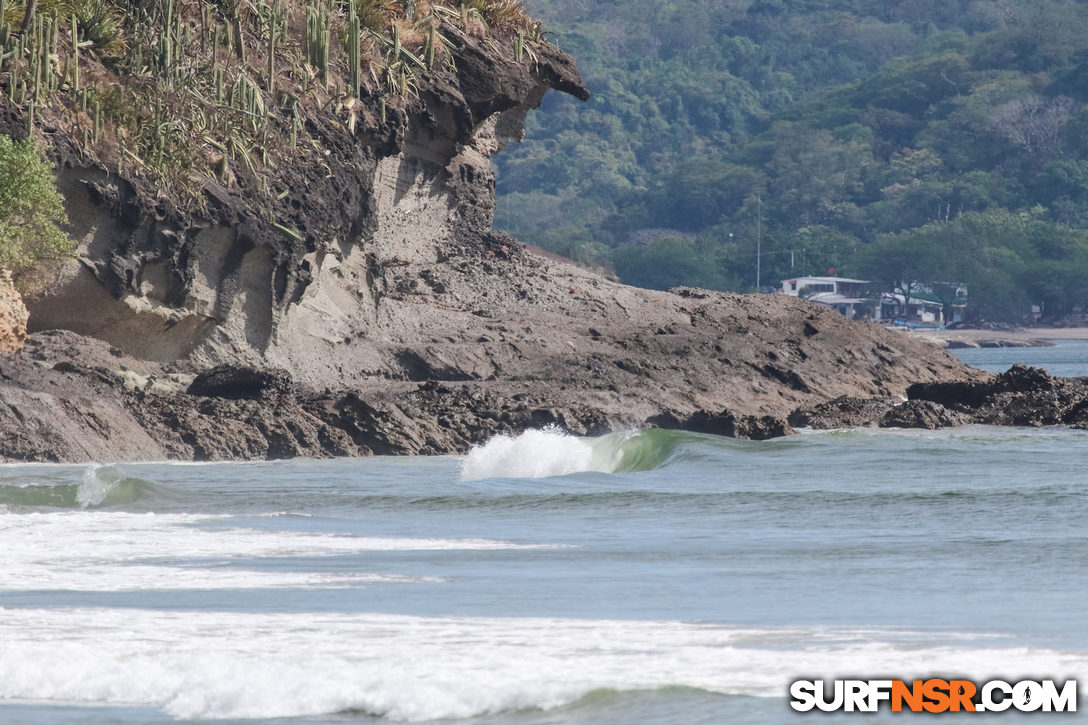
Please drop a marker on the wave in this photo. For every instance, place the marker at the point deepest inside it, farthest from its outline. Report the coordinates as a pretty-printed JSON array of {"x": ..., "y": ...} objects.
[
  {"x": 551, "y": 452},
  {"x": 119, "y": 551},
  {"x": 100, "y": 487},
  {"x": 222, "y": 665}
]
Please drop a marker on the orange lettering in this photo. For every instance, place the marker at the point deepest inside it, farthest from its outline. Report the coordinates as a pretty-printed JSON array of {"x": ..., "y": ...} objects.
[
  {"x": 936, "y": 694},
  {"x": 911, "y": 695},
  {"x": 961, "y": 692}
]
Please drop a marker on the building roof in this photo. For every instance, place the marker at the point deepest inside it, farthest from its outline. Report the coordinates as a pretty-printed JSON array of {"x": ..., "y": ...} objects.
[
  {"x": 826, "y": 280},
  {"x": 830, "y": 298},
  {"x": 914, "y": 299}
]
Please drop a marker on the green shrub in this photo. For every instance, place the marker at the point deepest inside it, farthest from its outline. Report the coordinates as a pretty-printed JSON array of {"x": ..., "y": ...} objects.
[{"x": 31, "y": 213}]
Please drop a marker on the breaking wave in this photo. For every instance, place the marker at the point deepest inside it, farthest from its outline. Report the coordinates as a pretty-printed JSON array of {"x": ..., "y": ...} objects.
[
  {"x": 552, "y": 452},
  {"x": 100, "y": 487}
]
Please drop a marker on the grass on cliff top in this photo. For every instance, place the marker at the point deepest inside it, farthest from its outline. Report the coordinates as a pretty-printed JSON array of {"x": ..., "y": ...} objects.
[{"x": 176, "y": 91}]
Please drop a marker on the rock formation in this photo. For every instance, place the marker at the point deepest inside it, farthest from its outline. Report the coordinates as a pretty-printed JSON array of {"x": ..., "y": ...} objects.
[
  {"x": 398, "y": 321},
  {"x": 1023, "y": 396}
]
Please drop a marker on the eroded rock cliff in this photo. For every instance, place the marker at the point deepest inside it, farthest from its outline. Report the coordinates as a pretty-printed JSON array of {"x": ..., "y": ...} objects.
[{"x": 358, "y": 302}]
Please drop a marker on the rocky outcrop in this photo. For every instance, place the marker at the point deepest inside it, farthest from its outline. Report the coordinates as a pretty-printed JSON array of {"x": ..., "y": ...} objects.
[
  {"x": 724, "y": 423},
  {"x": 13, "y": 316},
  {"x": 1023, "y": 396},
  {"x": 843, "y": 412},
  {"x": 922, "y": 414},
  {"x": 393, "y": 320}
]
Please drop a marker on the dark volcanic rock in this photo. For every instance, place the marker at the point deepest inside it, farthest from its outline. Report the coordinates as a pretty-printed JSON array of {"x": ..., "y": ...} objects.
[
  {"x": 922, "y": 414},
  {"x": 1023, "y": 396},
  {"x": 843, "y": 412},
  {"x": 849, "y": 412},
  {"x": 240, "y": 383},
  {"x": 724, "y": 423},
  {"x": 957, "y": 394},
  {"x": 214, "y": 429}
]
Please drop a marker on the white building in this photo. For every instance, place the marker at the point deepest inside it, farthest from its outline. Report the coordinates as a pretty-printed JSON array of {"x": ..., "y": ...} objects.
[{"x": 842, "y": 294}]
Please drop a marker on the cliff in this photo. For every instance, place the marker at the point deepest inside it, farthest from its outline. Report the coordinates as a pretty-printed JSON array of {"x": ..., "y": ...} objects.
[{"x": 350, "y": 297}]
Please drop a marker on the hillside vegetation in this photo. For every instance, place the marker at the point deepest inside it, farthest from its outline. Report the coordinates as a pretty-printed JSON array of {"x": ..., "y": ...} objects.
[{"x": 915, "y": 142}]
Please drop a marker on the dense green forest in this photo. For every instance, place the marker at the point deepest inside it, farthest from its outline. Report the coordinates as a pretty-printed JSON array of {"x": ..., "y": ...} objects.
[{"x": 913, "y": 142}]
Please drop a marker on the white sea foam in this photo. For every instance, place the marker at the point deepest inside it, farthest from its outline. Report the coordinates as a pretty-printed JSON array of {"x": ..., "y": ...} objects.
[
  {"x": 98, "y": 481},
  {"x": 545, "y": 453},
  {"x": 533, "y": 454},
  {"x": 226, "y": 665},
  {"x": 111, "y": 551}
]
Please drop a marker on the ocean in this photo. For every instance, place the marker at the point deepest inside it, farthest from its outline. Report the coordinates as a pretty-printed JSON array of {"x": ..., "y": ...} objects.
[{"x": 653, "y": 577}]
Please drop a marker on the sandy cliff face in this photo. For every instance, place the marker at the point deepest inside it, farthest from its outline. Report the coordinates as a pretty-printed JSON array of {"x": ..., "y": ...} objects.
[
  {"x": 13, "y": 316},
  {"x": 392, "y": 319},
  {"x": 228, "y": 285}
]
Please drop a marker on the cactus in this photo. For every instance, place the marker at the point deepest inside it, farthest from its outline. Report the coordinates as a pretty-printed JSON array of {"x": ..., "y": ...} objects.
[
  {"x": 353, "y": 50},
  {"x": 318, "y": 35},
  {"x": 29, "y": 15},
  {"x": 205, "y": 21},
  {"x": 428, "y": 48},
  {"x": 5, "y": 32},
  {"x": 239, "y": 40},
  {"x": 272, "y": 30},
  {"x": 75, "y": 54}
]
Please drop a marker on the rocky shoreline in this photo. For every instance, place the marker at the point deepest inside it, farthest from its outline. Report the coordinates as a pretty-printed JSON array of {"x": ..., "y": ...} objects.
[
  {"x": 738, "y": 370},
  {"x": 1023, "y": 396},
  {"x": 963, "y": 338},
  {"x": 69, "y": 398}
]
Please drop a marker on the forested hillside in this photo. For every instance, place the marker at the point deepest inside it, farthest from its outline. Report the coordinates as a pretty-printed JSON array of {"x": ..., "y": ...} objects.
[{"x": 942, "y": 143}]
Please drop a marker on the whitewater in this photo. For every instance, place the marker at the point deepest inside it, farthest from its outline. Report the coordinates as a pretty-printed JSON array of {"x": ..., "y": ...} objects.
[{"x": 639, "y": 577}]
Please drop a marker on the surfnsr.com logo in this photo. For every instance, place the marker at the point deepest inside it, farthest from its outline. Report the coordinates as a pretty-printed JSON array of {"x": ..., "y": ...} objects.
[{"x": 933, "y": 696}]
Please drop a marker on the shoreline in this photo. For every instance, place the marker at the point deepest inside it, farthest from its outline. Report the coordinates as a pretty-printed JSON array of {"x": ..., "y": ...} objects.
[{"x": 1021, "y": 337}]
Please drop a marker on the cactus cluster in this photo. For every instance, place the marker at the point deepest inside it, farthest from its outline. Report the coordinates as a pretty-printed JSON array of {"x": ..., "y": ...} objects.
[{"x": 187, "y": 101}]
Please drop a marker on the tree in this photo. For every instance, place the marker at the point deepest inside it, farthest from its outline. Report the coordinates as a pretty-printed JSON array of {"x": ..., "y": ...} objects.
[
  {"x": 31, "y": 213},
  {"x": 900, "y": 263},
  {"x": 667, "y": 262},
  {"x": 1033, "y": 123}
]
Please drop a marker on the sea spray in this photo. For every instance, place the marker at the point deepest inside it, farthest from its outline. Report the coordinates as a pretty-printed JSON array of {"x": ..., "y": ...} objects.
[
  {"x": 551, "y": 452},
  {"x": 104, "y": 486},
  {"x": 93, "y": 488},
  {"x": 533, "y": 454}
]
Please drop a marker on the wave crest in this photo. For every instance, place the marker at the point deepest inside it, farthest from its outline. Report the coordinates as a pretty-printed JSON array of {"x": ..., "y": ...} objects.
[
  {"x": 101, "y": 486},
  {"x": 552, "y": 452}
]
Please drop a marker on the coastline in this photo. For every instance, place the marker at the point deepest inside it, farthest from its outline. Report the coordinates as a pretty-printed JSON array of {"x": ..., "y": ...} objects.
[{"x": 1020, "y": 337}]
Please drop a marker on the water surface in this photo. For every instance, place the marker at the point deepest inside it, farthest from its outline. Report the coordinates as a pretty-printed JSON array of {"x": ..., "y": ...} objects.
[{"x": 650, "y": 578}]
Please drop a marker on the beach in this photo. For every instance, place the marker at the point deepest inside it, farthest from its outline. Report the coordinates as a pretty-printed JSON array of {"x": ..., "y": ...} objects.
[{"x": 1019, "y": 337}]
